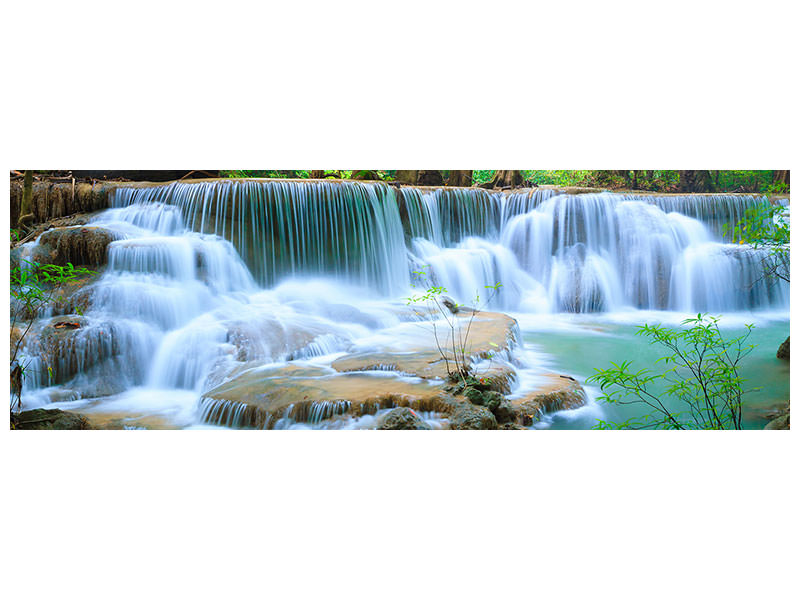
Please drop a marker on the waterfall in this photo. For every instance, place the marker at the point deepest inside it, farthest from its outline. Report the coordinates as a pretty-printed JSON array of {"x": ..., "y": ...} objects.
[
  {"x": 346, "y": 230},
  {"x": 551, "y": 252},
  {"x": 204, "y": 279}
]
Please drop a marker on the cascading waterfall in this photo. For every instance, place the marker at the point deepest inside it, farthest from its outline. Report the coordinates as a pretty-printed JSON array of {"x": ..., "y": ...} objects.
[
  {"x": 346, "y": 230},
  {"x": 551, "y": 252},
  {"x": 203, "y": 278}
]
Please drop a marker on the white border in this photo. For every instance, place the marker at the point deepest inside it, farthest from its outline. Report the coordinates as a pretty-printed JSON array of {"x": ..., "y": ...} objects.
[{"x": 418, "y": 84}]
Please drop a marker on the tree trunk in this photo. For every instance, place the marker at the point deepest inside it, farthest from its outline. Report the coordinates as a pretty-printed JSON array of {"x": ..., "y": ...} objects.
[
  {"x": 430, "y": 178},
  {"x": 460, "y": 178},
  {"x": 504, "y": 179},
  {"x": 694, "y": 181},
  {"x": 26, "y": 205},
  {"x": 779, "y": 177},
  {"x": 407, "y": 177},
  {"x": 317, "y": 174}
]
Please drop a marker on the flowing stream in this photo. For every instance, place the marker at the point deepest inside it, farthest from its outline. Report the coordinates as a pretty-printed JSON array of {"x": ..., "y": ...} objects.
[{"x": 203, "y": 278}]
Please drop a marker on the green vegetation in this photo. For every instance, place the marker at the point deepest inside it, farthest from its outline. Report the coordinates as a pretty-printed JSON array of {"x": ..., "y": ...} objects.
[
  {"x": 33, "y": 287},
  {"x": 765, "y": 226},
  {"x": 433, "y": 297},
  {"x": 766, "y": 182},
  {"x": 453, "y": 346},
  {"x": 700, "y": 376}
]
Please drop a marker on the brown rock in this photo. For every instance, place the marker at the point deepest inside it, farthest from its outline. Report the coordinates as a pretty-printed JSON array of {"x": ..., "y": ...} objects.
[
  {"x": 783, "y": 351},
  {"x": 86, "y": 246},
  {"x": 48, "y": 419},
  {"x": 469, "y": 416},
  {"x": 561, "y": 393},
  {"x": 402, "y": 418}
]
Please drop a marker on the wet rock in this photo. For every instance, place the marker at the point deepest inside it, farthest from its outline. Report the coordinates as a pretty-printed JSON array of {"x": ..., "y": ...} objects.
[
  {"x": 16, "y": 336},
  {"x": 109, "y": 377},
  {"x": 778, "y": 416},
  {"x": 84, "y": 246},
  {"x": 505, "y": 413},
  {"x": 402, "y": 418},
  {"x": 561, "y": 392},
  {"x": 781, "y": 422},
  {"x": 783, "y": 351},
  {"x": 470, "y": 416},
  {"x": 49, "y": 419},
  {"x": 257, "y": 397},
  {"x": 489, "y": 334},
  {"x": 72, "y": 344},
  {"x": 512, "y": 426},
  {"x": 122, "y": 420}
]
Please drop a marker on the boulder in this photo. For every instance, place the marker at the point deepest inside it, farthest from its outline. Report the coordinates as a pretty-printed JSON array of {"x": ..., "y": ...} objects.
[
  {"x": 85, "y": 246},
  {"x": 470, "y": 416},
  {"x": 783, "y": 351},
  {"x": 505, "y": 413},
  {"x": 402, "y": 418},
  {"x": 781, "y": 422},
  {"x": 41, "y": 418},
  {"x": 71, "y": 345}
]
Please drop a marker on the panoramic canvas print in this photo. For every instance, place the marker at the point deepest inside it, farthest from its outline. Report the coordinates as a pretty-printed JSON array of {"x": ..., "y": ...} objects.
[{"x": 399, "y": 299}]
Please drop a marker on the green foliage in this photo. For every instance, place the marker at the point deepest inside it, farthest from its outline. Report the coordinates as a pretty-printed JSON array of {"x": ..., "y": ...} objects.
[
  {"x": 479, "y": 177},
  {"x": 743, "y": 181},
  {"x": 776, "y": 189},
  {"x": 700, "y": 374},
  {"x": 386, "y": 175},
  {"x": 647, "y": 180},
  {"x": 453, "y": 346},
  {"x": 269, "y": 174},
  {"x": 563, "y": 178},
  {"x": 34, "y": 286},
  {"x": 477, "y": 390},
  {"x": 765, "y": 226}
]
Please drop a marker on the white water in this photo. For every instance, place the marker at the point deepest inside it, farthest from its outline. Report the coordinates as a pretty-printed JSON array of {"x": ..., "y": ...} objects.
[{"x": 208, "y": 277}]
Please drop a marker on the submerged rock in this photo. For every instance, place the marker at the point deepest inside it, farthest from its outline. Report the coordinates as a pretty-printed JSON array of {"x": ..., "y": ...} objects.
[
  {"x": 781, "y": 422},
  {"x": 402, "y": 418},
  {"x": 783, "y": 351}
]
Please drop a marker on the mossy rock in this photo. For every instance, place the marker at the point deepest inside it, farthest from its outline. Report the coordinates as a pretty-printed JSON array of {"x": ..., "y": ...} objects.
[
  {"x": 470, "y": 416},
  {"x": 86, "y": 246},
  {"x": 783, "y": 351},
  {"x": 41, "y": 418},
  {"x": 402, "y": 418}
]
